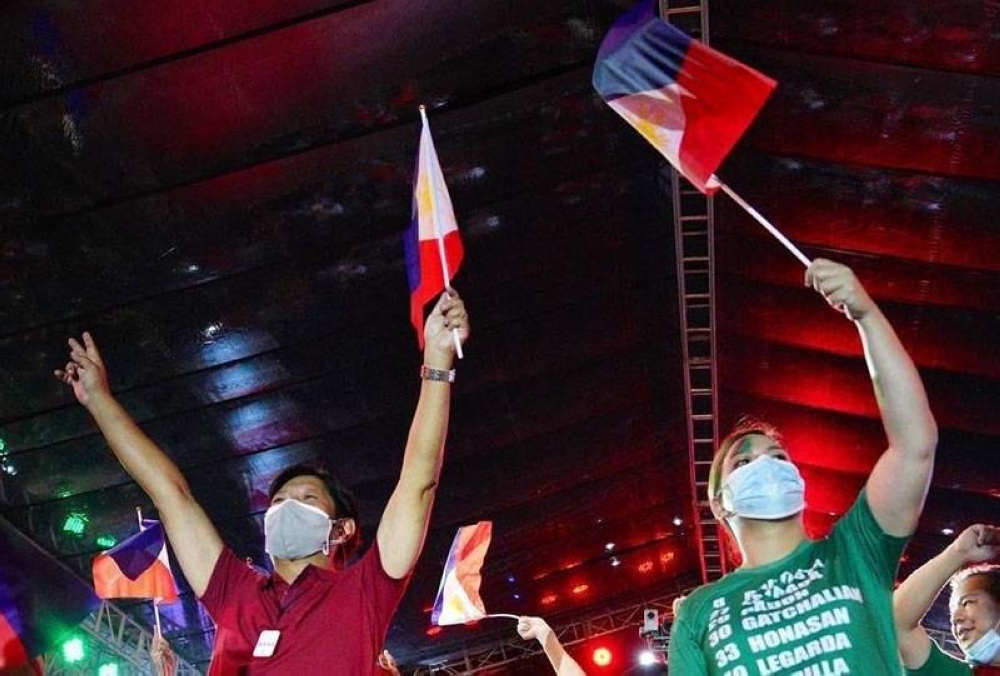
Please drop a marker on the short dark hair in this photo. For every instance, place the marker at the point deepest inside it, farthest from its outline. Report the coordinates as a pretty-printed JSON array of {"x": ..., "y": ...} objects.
[
  {"x": 990, "y": 571},
  {"x": 342, "y": 496}
]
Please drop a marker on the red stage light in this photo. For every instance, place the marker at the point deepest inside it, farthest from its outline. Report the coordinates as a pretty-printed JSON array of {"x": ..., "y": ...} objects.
[
  {"x": 433, "y": 631},
  {"x": 601, "y": 656}
]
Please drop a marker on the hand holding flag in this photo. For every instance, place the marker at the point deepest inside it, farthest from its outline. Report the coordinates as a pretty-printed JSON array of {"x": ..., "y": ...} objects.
[
  {"x": 137, "y": 568},
  {"x": 162, "y": 657},
  {"x": 432, "y": 246},
  {"x": 447, "y": 327}
]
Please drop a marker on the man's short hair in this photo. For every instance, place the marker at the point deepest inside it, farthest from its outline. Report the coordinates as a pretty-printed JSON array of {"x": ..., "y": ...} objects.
[
  {"x": 343, "y": 499},
  {"x": 990, "y": 571}
]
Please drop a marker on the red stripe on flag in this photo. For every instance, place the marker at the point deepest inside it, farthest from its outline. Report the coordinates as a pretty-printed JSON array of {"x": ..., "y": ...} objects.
[
  {"x": 475, "y": 540},
  {"x": 432, "y": 277},
  {"x": 728, "y": 97},
  {"x": 111, "y": 583},
  {"x": 12, "y": 653}
]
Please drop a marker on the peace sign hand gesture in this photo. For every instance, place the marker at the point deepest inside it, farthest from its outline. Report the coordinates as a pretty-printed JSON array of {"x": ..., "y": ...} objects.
[{"x": 85, "y": 371}]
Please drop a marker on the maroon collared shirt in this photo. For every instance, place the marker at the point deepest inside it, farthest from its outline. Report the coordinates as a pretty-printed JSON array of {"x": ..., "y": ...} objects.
[{"x": 331, "y": 621}]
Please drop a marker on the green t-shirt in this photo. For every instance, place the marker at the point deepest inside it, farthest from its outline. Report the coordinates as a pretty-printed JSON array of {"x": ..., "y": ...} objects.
[
  {"x": 941, "y": 664},
  {"x": 823, "y": 610}
]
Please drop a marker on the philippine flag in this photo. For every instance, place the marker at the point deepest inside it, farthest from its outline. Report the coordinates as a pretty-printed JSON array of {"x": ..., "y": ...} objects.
[
  {"x": 458, "y": 598},
  {"x": 689, "y": 101},
  {"x": 432, "y": 245},
  {"x": 137, "y": 568},
  {"x": 41, "y": 601}
]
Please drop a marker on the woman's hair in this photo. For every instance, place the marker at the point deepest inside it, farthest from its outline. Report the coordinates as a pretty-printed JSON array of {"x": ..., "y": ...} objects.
[
  {"x": 990, "y": 571},
  {"x": 343, "y": 499}
]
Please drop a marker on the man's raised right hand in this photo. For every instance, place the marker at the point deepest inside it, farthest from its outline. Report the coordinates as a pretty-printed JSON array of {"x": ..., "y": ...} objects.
[{"x": 85, "y": 371}]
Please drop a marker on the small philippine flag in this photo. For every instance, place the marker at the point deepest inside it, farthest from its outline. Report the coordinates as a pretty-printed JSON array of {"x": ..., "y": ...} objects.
[
  {"x": 432, "y": 246},
  {"x": 458, "y": 599},
  {"x": 137, "y": 568}
]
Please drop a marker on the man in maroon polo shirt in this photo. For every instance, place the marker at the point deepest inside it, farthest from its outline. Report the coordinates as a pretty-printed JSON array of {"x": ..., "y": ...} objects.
[{"x": 314, "y": 615}]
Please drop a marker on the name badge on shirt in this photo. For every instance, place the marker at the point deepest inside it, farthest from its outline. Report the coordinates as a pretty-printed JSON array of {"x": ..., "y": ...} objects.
[{"x": 266, "y": 643}]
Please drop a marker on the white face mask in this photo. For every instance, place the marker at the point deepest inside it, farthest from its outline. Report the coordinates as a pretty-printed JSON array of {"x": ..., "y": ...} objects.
[
  {"x": 985, "y": 649},
  {"x": 764, "y": 488},
  {"x": 294, "y": 530}
]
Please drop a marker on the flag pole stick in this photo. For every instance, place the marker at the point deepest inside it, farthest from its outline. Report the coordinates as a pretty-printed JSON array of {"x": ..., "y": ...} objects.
[
  {"x": 440, "y": 241},
  {"x": 513, "y": 617},
  {"x": 767, "y": 225},
  {"x": 156, "y": 608}
]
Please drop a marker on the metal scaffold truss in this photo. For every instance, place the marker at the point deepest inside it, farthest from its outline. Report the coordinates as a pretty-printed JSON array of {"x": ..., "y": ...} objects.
[
  {"x": 115, "y": 644},
  {"x": 946, "y": 640},
  {"x": 117, "y": 639},
  {"x": 505, "y": 652}
]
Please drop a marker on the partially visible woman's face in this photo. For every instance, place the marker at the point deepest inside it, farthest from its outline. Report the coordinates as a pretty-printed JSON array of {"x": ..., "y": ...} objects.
[{"x": 973, "y": 610}]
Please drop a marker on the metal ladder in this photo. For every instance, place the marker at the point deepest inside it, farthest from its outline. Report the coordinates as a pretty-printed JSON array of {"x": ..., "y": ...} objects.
[{"x": 693, "y": 237}]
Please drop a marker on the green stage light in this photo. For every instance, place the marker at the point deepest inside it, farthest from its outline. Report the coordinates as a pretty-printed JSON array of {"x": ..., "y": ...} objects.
[
  {"x": 106, "y": 541},
  {"x": 75, "y": 523},
  {"x": 108, "y": 669},
  {"x": 74, "y": 650}
]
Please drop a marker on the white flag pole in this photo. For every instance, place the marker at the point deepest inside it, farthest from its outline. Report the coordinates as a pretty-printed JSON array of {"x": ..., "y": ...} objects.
[
  {"x": 767, "y": 225},
  {"x": 439, "y": 235},
  {"x": 513, "y": 617}
]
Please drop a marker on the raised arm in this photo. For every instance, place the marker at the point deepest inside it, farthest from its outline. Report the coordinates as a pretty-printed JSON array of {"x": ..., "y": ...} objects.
[
  {"x": 538, "y": 629},
  {"x": 914, "y": 597},
  {"x": 404, "y": 522},
  {"x": 898, "y": 484},
  {"x": 195, "y": 541}
]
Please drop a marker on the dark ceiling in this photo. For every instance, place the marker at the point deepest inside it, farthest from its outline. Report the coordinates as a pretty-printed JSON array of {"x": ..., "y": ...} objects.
[{"x": 217, "y": 190}]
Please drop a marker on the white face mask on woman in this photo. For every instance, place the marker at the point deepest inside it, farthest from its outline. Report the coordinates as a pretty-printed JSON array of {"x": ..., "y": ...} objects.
[
  {"x": 985, "y": 649},
  {"x": 764, "y": 488},
  {"x": 294, "y": 530}
]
